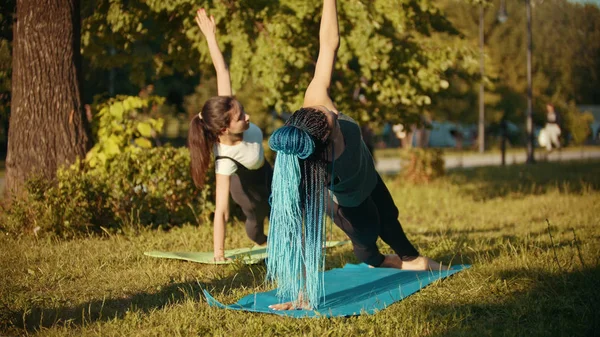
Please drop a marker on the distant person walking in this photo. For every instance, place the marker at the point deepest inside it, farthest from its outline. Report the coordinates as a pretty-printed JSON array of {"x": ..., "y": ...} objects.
[{"x": 549, "y": 135}]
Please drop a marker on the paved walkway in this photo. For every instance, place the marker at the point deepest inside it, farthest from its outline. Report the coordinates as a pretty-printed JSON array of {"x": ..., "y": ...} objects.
[{"x": 392, "y": 165}]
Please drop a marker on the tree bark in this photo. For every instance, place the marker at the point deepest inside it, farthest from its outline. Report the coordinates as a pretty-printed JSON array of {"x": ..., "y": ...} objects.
[{"x": 47, "y": 124}]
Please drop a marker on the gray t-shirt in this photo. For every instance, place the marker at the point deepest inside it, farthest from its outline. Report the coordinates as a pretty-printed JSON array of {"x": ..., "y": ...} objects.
[{"x": 354, "y": 171}]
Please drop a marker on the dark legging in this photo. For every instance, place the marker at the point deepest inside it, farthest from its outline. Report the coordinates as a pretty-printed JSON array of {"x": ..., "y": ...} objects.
[
  {"x": 375, "y": 217},
  {"x": 255, "y": 211},
  {"x": 250, "y": 190}
]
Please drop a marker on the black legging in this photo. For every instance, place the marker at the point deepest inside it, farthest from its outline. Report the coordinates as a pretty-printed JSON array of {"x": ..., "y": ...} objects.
[
  {"x": 375, "y": 217},
  {"x": 250, "y": 189},
  {"x": 255, "y": 210}
]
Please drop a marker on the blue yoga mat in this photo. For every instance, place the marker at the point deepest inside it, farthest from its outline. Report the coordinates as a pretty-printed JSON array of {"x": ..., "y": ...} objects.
[{"x": 350, "y": 291}]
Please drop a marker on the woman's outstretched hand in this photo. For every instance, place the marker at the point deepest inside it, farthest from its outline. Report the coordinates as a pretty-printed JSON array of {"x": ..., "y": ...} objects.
[
  {"x": 207, "y": 24},
  {"x": 220, "y": 258}
]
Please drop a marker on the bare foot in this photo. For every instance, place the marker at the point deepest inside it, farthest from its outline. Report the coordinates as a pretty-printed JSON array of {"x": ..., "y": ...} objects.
[
  {"x": 299, "y": 304},
  {"x": 418, "y": 264},
  {"x": 391, "y": 261},
  {"x": 290, "y": 306},
  {"x": 423, "y": 263}
]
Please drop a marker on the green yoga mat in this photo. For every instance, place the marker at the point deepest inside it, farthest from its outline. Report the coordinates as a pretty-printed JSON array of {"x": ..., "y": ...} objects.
[{"x": 246, "y": 255}]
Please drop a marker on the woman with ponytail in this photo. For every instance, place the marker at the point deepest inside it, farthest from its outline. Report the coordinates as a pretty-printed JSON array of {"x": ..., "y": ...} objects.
[
  {"x": 323, "y": 167},
  {"x": 223, "y": 129}
]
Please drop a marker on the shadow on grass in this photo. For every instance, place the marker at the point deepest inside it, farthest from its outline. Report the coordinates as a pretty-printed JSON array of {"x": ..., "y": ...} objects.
[
  {"x": 101, "y": 310},
  {"x": 228, "y": 279},
  {"x": 460, "y": 232},
  {"x": 493, "y": 182},
  {"x": 233, "y": 277},
  {"x": 473, "y": 250},
  {"x": 557, "y": 304}
]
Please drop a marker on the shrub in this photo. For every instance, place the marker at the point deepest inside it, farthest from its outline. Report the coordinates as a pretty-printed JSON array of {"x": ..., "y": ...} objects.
[
  {"x": 154, "y": 187},
  {"x": 122, "y": 126},
  {"x": 575, "y": 123},
  {"x": 123, "y": 182},
  {"x": 72, "y": 204},
  {"x": 578, "y": 124},
  {"x": 421, "y": 165}
]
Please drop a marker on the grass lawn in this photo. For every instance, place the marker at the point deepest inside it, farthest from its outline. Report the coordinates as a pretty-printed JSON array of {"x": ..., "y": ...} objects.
[{"x": 527, "y": 278}]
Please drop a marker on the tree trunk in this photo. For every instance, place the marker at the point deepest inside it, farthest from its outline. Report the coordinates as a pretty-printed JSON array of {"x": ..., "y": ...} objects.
[{"x": 47, "y": 124}]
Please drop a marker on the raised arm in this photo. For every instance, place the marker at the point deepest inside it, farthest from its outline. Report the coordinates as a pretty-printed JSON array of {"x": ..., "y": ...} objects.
[
  {"x": 208, "y": 28},
  {"x": 317, "y": 92}
]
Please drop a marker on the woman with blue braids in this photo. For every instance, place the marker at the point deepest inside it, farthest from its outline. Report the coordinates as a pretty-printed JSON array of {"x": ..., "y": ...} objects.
[{"x": 321, "y": 156}]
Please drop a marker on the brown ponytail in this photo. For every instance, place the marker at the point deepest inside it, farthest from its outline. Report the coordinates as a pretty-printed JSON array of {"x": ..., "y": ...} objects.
[{"x": 204, "y": 133}]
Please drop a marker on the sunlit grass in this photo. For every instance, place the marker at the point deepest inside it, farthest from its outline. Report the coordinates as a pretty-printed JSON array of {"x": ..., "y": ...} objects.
[{"x": 529, "y": 278}]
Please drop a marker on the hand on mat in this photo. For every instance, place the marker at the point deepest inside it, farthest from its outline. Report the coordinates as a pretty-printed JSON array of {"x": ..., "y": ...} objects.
[
  {"x": 207, "y": 25},
  {"x": 221, "y": 258}
]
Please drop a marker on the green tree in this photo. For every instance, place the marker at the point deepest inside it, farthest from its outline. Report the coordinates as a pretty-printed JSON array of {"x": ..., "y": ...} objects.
[
  {"x": 566, "y": 66},
  {"x": 395, "y": 53}
]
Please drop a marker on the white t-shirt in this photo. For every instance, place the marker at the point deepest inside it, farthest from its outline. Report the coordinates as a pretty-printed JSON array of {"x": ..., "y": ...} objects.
[{"x": 249, "y": 152}]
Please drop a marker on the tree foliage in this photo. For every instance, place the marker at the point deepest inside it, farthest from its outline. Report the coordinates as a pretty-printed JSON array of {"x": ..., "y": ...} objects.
[
  {"x": 394, "y": 53},
  {"x": 566, "y": 62},
  {"x": 123, "y": 126},
  {"x": 396, "y": 59}
]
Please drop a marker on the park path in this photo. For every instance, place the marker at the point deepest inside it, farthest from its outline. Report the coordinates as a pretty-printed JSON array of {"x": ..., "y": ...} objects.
[{"x": 392, "y": 165}]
